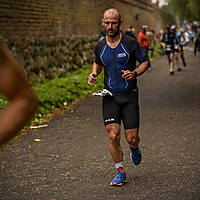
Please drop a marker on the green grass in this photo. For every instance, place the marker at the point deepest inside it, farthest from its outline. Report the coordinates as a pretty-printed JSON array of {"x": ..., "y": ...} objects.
[
  {"x": 56, "y": 93},
  {"x": 156, "y": 52}
]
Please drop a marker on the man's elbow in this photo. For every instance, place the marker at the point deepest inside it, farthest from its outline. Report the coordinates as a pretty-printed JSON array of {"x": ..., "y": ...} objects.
[
  {"x": 30, "y": 103},
  {"x": 33, "y": 102}
]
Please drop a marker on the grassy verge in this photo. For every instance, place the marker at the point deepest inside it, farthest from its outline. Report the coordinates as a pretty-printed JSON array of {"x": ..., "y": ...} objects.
[
  {"x": 60, "y": 92},
  {"x": 156, "y": 52}
]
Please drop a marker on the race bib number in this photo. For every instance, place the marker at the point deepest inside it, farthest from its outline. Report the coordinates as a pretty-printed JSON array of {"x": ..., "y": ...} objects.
[
  {"x": 176, "y": 46},
  {"x": 168, "y": 47}
]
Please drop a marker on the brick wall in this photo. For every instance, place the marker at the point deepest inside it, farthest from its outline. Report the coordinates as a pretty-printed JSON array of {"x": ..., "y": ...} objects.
[
  {"x": 60, "y": 17},
  {"x": 136, "y": 13}
]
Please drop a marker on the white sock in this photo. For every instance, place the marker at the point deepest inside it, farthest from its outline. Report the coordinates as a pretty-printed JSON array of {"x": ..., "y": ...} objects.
[{"x": 120, "y": 164}]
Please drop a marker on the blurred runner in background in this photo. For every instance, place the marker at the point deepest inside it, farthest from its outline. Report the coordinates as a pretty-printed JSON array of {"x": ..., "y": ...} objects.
[
  {"x": 144, "y": 42},
  {"x": 168, "y": 41},
  {"x": 197, "y": 46}
]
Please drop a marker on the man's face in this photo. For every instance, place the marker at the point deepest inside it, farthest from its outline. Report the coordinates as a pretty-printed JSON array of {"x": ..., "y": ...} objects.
[{"x": 111, "y": 23}]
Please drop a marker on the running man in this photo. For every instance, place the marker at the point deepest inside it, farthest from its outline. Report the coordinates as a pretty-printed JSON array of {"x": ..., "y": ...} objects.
[
  {"x": 14, "y": 86},
  {"x": 181, "y": 40},
  {"x": 168, "y": 40},
  {"x": 176, "y": 48},
  {"x": 117, "y": 54},
  {"x": 197, "y": 45}
]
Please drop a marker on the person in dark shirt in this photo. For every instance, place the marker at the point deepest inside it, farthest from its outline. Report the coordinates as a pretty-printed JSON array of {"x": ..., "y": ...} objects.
[
  {"x": 117, "y": 54},
  {"x": 168, "y": 41},
  {"x": 176, "y": 48},
  {"x": 197, "y": 45},
  {"x": 131, "y": 32}
]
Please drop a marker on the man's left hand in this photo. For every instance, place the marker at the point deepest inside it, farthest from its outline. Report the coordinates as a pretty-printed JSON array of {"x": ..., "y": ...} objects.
[{"x": 128, "y": 75}]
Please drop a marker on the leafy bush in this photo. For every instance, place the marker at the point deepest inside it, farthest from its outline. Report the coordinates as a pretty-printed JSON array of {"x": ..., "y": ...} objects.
[{"x": 56, "y": 93}]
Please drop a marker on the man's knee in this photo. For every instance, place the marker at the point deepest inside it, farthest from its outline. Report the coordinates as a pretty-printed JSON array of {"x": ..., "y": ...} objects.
[
  {"x": 132, "y": 136},
  {"x": 113, "y": 133},
  {"x": 131, "y": 139},
  {"x": 113, "y": 137}
]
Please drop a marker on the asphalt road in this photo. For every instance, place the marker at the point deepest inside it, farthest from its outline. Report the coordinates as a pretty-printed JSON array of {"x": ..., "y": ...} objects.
[{"x": 70, "y": 159}]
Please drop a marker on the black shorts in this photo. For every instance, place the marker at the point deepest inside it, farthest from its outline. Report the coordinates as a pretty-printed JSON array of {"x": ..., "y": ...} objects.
[
  {"x": 122, "y": 107},
  {"x": 181, "y": 48},
  {"x": 176, "y": 50},
  {"x": 170, "y": 53}
]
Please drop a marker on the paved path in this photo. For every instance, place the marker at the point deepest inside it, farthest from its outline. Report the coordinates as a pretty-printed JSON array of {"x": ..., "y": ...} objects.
[{"x": 72, "y": 161}]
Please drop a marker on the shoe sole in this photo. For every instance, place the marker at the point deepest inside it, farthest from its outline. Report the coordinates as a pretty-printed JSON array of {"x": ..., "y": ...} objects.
[
  {"x": 132, "y": 159},
  {"x": 116, "y": 184}
]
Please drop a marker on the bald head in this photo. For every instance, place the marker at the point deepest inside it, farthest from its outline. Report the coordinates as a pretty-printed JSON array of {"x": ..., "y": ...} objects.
[
  {"x": 111, "y": 22},
  {"x": 112, "y": 13}
]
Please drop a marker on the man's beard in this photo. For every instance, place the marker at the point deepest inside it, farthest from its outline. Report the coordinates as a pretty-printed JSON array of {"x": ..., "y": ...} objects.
[{"x": 114, "y": 34}]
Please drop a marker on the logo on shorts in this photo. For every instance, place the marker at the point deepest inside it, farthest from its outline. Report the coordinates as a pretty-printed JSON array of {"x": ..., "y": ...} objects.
[
  {"x": 110, "y": 120},
  {"x": 121, "y": 55}
]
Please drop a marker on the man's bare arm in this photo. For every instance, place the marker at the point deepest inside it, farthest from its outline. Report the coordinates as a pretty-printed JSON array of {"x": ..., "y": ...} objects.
[
  {"x": 16, "y": 88},
  {"x": 96, "y": 70},
  {"x": 129, "y": 75}
]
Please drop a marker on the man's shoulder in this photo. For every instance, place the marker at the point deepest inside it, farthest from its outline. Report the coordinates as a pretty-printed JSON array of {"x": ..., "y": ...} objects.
[
  {"x": 129, "y": 41},
  {"x": 100, "y": 45}
]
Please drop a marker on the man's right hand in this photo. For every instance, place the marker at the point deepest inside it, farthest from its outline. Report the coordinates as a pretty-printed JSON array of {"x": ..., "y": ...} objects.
[{"x": 92, "y": 78}]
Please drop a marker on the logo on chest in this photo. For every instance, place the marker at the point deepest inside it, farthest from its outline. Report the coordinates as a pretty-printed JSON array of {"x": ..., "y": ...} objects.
[{"x": 120, "y": 55}]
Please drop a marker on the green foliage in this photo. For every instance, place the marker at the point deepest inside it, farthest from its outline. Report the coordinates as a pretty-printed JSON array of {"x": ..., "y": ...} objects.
[
  {"x": 194, "y": 6},
  {"x": 56, "y": 93},
  {"x": 3, "y": 103},
  {"x": 156, "y": 51},
  {"x": 186, "y": 9},
  {"x": 53, "y": 94}
]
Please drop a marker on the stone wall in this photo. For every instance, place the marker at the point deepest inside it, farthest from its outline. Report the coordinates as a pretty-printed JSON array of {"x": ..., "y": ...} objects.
[{"x": 61, "y": 17}]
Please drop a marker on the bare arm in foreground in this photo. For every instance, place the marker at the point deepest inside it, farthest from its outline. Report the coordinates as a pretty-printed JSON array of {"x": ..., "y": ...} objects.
[{"x": 16, "y": 88}]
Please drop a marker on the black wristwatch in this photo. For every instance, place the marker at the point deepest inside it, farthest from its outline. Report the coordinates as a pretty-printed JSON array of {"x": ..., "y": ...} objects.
[{"x": 135, "y": 74}]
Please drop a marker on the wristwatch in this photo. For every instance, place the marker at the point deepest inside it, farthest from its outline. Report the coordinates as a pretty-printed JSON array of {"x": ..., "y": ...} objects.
[{"x": 135, "y": 74}]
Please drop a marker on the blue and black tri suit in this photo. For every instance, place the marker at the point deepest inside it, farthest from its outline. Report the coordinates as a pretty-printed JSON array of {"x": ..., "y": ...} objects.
[
  {"x": 123, "y": 105},
  {"x": 123, "y": 57}
]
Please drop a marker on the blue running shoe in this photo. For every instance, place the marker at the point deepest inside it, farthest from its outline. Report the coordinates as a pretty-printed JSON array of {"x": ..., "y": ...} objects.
[
  {"x": 119, "y": 179},
  {"x": 136, "y": 156}
]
